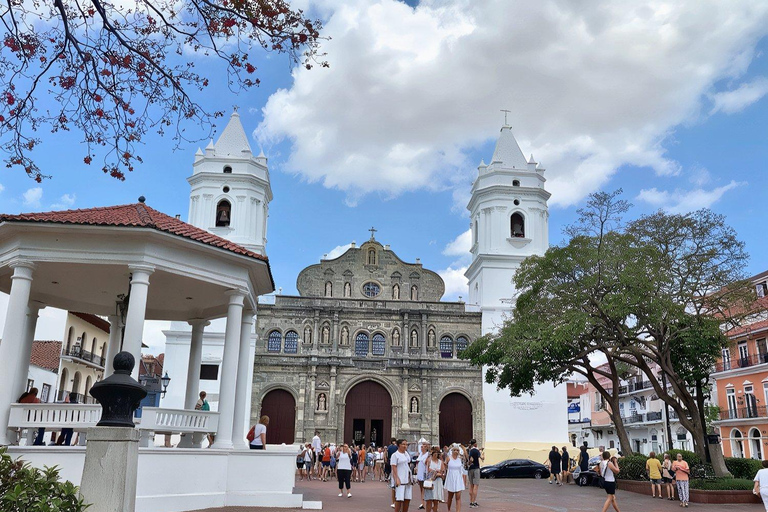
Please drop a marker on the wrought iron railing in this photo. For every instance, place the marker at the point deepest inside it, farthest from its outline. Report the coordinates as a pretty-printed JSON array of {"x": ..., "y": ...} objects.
[{"x": 78, "y": 352}]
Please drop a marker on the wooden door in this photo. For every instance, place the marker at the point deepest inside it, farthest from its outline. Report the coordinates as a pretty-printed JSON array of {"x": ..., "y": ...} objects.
[
  {"x": 455, "y": 419},
  {"x": 280, "y": 406},
  {"x": 368, "y": 406}
]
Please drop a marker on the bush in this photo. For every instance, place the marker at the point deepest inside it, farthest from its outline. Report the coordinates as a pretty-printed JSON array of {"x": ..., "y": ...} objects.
[
  {"x": 27, "y": 489},
  {"x": 743, "y": 468},
  {"x": 633, "y": 467},
  {"x": 722, "y": 484}
]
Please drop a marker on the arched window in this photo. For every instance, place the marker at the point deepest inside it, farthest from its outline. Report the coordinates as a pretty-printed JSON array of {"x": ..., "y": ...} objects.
[
  {"x": 515, "y": 183},
  {"x": 396, "y": 292},
  {"x": 371, "y": 256},
  {"x": 379, "y": 345},
  {"x": 87, "y": 387},
  {"x": 76, "y": 383},
  {"x": 737, "y": 444},
  {"x": 93, "y": 346},
  {"x": 104, "y": 355},
  {"x": 328, "y": 289},
  {"x": 70, "y": 338},
  {"x": 371, "y": 290},
  {"x": 517, "y": 226},
  {"x": 347, "y": 290},
  {"x": 755, "y": 444},
  {"x": 63, "y": 383},
  {"x": 361, "y": 344},
  {"x": 227, "y": 169},
  {"x": 414, "y": 292},
  {"x": 475, "y": 233},
  {"x": 446, "y": 347},
  {"x": 291, "y": 342},
  {"x": 461, "y": 344},
  {"x": 273, "y": 341},
  {"x": 223, "y": 214}
]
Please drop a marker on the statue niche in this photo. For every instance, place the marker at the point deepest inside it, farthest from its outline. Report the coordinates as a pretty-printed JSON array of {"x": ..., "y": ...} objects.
[{"x": 322, "y": 403}]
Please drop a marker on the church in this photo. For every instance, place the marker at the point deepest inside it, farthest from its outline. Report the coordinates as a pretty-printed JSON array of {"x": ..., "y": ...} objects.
[{"x": 367, "y": 349}]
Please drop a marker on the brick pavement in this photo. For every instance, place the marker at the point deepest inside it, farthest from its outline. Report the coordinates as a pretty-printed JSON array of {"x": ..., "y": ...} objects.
[{"x": 502, "y": 495}]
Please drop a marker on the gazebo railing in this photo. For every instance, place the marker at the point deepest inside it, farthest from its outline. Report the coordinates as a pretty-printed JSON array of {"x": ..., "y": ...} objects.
[{"x": 193, "y": 424}]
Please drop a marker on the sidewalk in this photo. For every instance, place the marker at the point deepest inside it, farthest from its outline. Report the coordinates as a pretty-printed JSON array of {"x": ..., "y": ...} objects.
[{"x": 502, "y": 495}]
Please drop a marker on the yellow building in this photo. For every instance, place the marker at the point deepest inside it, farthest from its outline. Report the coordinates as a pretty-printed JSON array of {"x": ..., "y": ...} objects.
[{"x": 83, "y": 354}]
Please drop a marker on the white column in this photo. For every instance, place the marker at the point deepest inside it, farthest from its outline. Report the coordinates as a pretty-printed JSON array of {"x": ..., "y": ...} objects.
[
  {"x": 244, "y": 382},
  {"x": 195, "y": 359},
  {"x": 30, "y": 324},
  {"x": 137, "y": 309},
  {"x": 229, "y": 370},
  {"x": 113, "y": 345},
  {"x": 11, "y": 346}
]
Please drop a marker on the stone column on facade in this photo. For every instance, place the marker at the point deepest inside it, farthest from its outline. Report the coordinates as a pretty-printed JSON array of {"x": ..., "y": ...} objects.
[
  {"x": 113, "y": 345},
  {"x": 311, "y": 408},
  {"x": 406, "y": 334},
  {"x": 137, "y": 310},
  {"x": 426, "y": 407},
  {"x": 332, "y": 401},
  {"x": 335, "y": 332},
  {"x": 193, "y": 363},
  {"x": 406, "y": 410},
  {"x": 300, "y": 431},
  {"x": 30, "y": 324},
  {"x": 229, "y": 370},
  {"x": 11, "y": 349},
  {"x": 315, "y": 328},
  {"x": 424, "y": 339},
  {"x": 242, "y": 412}
]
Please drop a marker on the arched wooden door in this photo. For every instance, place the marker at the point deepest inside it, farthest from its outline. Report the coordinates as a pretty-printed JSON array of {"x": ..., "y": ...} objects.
[
  {"x": 280, "y": 406},
  {"x": 368, "y": 414},
  {"x": 455, "y": 419}
]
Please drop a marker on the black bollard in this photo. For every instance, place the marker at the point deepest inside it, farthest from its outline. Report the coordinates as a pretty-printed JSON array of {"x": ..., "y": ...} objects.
[{"x": 119, "y": 394}]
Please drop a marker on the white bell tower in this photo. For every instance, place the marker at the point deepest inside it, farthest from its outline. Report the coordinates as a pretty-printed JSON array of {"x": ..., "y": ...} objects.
[
  {"x": 509, "y": 222},
  {"x": 230, "y": 189}
]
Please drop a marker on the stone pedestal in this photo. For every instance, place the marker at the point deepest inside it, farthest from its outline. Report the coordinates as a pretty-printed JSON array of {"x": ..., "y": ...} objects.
[{"x": 109, "y": 473}]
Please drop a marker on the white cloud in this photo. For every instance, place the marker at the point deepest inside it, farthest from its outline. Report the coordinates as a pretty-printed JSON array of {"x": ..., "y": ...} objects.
[
  {"x": 337, "y": 251},
  {"x": 591, "y": 86},
  {"x": 153, "y": 336},
  {"x": 730, "y": 102},
  {"x": 33, "y": 196},
  {"x": 1, "y": 187},
  {"x": 460, "y": 245},
  {"x": 456, "y": 285},
  {"x": 684, "y": 201},
  {"x": 65, "y": 201}
]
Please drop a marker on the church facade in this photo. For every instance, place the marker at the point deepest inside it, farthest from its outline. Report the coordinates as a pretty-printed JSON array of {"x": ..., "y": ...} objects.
[{"x": 367, "y": 351}]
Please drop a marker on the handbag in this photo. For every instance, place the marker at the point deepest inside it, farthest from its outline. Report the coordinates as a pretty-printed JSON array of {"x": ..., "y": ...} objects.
[
  {"x": 429, "y": 484},
  {"x": 601, "y": 477},
  {"x": 251, "y": 434}
]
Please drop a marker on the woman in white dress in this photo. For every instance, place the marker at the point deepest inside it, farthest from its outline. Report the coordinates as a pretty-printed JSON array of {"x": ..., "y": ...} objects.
[
  {"x": 434, "y": 473},
  {"x": 455, "y": 479},
  {"x": 421, "y": 469}
]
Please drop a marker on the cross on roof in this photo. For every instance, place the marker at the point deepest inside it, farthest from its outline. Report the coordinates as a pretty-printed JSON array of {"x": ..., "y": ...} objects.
[
  {"x": 505, "y": 116},
  {"x": 372, "y": 230}
]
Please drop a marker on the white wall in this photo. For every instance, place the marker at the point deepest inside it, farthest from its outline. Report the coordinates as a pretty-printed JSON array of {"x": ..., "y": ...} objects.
[{"x": 42, "y": 376}]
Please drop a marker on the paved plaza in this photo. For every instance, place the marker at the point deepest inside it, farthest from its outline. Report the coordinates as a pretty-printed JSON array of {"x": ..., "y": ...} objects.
[{"x": 524, "y": 495}]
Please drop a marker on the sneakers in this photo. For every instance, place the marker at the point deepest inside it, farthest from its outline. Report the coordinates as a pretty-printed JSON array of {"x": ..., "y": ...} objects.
[
  {"x": 473, "y": 505},
  {"x": 392, "y": 505},
  {"x": 550, "y": 482},
  {"x": 349, "y": 495},
  {"x": 340, "y": 495}
]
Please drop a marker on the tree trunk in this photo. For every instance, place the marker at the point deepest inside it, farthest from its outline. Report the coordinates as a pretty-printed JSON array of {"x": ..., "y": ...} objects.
[{"x": 618, "y": 423}]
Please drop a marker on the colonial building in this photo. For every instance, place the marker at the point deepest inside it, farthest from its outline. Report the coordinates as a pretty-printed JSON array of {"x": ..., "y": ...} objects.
[
  {"x": 83, "y": 356},
  {"x": 365, "y": 352}
]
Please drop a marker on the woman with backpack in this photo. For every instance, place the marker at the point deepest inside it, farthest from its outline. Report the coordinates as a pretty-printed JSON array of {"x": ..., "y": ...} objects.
[{"x": 609, "y": 468}]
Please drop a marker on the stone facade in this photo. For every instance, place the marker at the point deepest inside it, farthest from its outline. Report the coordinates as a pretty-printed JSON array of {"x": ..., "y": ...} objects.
[{"x": 355, "y": 321}]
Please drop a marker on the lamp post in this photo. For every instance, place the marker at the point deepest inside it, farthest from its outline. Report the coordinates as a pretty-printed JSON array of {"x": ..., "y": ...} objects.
[{"x": 165, "y": 380}]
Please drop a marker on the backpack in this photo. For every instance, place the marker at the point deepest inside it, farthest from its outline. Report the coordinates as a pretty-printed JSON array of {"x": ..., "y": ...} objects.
[
  {"x": 300, "y": 457},
  {"x": 251, "y": 434}
]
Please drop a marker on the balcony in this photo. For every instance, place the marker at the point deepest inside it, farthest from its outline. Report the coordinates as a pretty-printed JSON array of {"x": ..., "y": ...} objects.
[
  {"x": 75, "y": 398},
  {"x": 585, "y": 421},
  {"x": 744, "y": 413},
  {"x": 654, "y": 416},
  {"x": 633, "y": 418},
  {"x": 77, "y": 352},
  {"x": 632, "y": 387},
  {"x": 741, "y": 362}
]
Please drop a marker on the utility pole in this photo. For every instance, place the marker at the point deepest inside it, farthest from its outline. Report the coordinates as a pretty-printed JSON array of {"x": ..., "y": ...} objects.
[{"x": 666, "y": 413}]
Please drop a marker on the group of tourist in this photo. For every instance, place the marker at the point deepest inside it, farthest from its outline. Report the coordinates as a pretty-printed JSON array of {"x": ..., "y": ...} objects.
[
  {"x": 65, "y": 436},
  {"x": 440, "y": 474}
]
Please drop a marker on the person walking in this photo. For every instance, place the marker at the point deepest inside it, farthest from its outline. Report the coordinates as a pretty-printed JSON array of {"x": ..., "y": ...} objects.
[
  {"x": 362, "y": 463},
  {"x": 317, "y": 448},
  {"x": 555, "y": 461},
  {"x": 682, "y": 472},
  {"x": 433, "y": 479},
  {"x": 583, "y": 461},
  {"x": 667, "y": 477},
  {"x": 609, "y": 468},
  {"x": 258, "y": 434},
  {"x": 326, "y": 458},
  {"x": 308, "y": 456},
  {"x": 202, "y": 405},
  {"x": 653, "y": 467},
  {"x": 565, "y": 460},
  {"x": 391, "y": 450},
  {"x": 761, "y": 484},
  {"x": 353, "y": 460},
  {"x": 421, "y": 468},
  {"x": 344, "y": 469},
  {"x": 473, "y": 472},
  {"x": 402, "y": 477},
  {"x": 379, "y": 468},
  {"x": 455, "y": 480}
]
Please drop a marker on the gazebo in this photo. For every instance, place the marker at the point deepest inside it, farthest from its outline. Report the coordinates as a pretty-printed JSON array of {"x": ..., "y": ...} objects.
[{"x": 130, "y": 263}]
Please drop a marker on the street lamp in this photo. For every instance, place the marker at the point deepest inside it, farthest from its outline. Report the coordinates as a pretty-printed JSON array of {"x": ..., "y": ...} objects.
[{"x": 165, "y": 380}]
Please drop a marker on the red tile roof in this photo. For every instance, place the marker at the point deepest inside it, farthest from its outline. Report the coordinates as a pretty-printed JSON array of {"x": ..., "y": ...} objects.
[
  {"x": 46, "y": 354},
  {"x": 746, "y": 329},
  {"x": 133, "y": 215},
  {"x": 93, "y": 320}
]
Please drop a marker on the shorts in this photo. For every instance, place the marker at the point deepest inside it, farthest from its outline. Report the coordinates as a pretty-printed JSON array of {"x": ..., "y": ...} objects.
[
  {"x": 403, "y": 492},
  {"x": 556, "y": 471},
  {"x": 473, "y": 476},
  {"x": 655, "y": 481},
  {"x": 326, "y": 463},
  {"x": 610, "y": 487},
  {"x": 299, "y": 465},
  {"x": 665, "y": 480},
  {"x": 308, "y": 464},
  {"x": 361, "y": 467}
]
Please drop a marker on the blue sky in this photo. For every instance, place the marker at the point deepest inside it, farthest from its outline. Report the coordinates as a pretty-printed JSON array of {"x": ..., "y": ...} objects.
[{"x": 668, "y": 105}]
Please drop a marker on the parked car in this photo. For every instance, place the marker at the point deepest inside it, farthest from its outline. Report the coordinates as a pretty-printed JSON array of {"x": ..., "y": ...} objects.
[
  {"x": 515, "y": 468},
  {"x": 587, "y": 478}
]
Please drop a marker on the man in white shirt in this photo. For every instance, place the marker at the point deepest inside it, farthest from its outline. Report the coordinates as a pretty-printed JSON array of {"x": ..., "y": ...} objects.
[
  {"x": 761, "y": 484},
  {"x": 401, "y": 476},
  {"x": 317, "y": 447}
]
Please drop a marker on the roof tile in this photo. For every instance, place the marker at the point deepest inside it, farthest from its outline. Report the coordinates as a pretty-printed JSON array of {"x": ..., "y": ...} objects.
[{"x": 46, "y": 354}]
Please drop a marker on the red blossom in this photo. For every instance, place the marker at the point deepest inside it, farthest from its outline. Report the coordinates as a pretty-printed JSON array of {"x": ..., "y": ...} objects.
[
  {"x": 87, "y": 160},
  {"x": 250, "y": 68}
]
